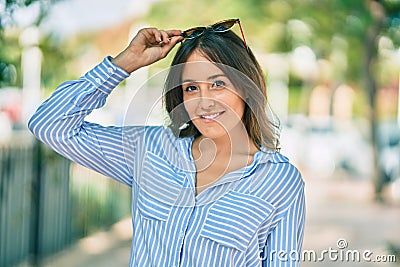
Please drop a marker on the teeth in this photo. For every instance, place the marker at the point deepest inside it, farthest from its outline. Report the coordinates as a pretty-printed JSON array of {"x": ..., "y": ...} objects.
[{"x": 212, "y": 116}]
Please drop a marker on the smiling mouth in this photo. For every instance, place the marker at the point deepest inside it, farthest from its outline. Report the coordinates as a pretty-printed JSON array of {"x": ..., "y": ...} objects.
[{"x": 211, "y": 116}]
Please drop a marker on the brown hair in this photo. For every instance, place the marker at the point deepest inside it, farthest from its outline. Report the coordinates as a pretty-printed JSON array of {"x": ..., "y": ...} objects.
[{"x": 227, "y": 49}]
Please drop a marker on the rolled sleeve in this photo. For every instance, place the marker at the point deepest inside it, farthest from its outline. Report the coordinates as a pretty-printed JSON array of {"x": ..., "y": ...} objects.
[{"x": 106, "y": 76}]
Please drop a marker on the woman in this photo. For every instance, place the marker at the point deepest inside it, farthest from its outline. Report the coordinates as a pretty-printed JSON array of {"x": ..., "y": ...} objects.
[{"x": 210, "y": 189}]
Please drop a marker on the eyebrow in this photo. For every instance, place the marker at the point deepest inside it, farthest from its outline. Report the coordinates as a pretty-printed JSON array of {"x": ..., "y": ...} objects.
[{"x": 209, "y": 78}]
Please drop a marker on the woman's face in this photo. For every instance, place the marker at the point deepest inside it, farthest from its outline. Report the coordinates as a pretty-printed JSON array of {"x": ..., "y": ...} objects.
[{"x": 213, "y": 104}]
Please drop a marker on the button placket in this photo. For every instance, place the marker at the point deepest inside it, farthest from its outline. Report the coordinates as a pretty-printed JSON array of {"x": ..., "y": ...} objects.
[
  {"x": 181, "y": 235},
  {"x": 182, "y": 232}
]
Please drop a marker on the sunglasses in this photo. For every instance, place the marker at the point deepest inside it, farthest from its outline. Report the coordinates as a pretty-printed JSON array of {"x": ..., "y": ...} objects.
[{"x": 219, "y": 27}]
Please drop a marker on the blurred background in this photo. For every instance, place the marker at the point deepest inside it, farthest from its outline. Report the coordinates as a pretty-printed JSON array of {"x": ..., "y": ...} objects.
[{"x": 333, "y": 70}]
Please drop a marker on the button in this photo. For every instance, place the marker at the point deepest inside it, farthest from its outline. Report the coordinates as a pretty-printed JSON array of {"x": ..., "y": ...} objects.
[
  {"x": 110, "y": 70},
  {"x": 97, "y": 80},
  {"x": 181, "y": 234}
]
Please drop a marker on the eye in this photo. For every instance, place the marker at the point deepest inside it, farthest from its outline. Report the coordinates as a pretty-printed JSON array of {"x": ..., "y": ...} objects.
[
  {"x": 218, "y": 84},
  {"x": 190, "y": 88}
]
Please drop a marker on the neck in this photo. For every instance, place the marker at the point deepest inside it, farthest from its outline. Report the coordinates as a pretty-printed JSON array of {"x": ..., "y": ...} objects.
[{"x": 236, "y": 141}]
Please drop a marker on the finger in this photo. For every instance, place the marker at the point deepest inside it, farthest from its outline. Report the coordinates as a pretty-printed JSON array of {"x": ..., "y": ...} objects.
[
  {"x": 173, "y": 41},
  {"x": 157, "y": 35},
  {"x": 176, "y": 39},
  {"x": 168, "y": 34},
  {"x": 165, "y": 37},
  {"x": 152, "y": 35},
  {"x": 172, "y": 33}
]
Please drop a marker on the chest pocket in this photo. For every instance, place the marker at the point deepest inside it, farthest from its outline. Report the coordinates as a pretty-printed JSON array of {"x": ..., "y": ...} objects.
[
  {"x": 160, "y": 188},
  {"x": 234, "y": 219}
]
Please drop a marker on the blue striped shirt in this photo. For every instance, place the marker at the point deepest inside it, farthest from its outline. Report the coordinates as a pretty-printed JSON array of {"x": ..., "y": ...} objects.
[{"x": 253, "y": 216}]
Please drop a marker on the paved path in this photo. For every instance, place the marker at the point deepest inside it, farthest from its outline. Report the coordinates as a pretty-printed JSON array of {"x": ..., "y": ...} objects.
[
  {"x": 336, "y": 209},
  {"x": 344, "y": 210},
  {"x": 103, "y": 249}
]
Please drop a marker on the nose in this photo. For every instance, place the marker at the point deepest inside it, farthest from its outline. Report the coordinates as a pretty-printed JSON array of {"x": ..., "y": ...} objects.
[
  {"x": 206, "y": 100},
  {"x": 206, "y": 103}
]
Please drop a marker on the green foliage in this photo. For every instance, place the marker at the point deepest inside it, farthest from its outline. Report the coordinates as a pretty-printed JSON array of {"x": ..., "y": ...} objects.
[
  {"x": 55, "y": 55},
  {"x": 10, "y": 57},
  {"x": 6, "y": 16},
  {"x": 281, "y": 25},
  {"x": 55, "y": 66}
]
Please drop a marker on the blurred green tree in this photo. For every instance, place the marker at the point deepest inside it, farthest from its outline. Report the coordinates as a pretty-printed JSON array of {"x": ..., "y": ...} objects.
[
  {"x": 10, "y": 53},
  {"x": 55, "y": 55},
  {"x": 361, "y": 24}
]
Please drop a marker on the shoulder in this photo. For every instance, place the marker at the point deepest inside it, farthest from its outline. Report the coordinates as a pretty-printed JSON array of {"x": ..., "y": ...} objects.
[
  {"x": 160, "y": 140},
  {"x": 277, "y": 181},
  {"x": 147, "y": 133}
]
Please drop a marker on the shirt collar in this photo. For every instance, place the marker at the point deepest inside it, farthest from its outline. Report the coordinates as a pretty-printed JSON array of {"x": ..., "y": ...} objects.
[{"x": 264, "y": 155}]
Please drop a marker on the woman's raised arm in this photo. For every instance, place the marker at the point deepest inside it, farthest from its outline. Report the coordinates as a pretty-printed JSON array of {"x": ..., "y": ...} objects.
[{"x": 60, "y": 121}]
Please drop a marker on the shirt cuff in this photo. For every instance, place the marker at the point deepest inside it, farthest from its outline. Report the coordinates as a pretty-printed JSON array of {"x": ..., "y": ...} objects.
[{"x": 106, "y": 76}]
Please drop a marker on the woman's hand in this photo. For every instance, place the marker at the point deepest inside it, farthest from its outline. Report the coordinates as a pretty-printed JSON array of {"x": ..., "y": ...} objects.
[{"x": 147, "y": 47}]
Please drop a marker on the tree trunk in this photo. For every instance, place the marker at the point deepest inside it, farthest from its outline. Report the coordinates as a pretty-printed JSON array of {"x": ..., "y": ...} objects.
[{"x": 371, "y": 51}]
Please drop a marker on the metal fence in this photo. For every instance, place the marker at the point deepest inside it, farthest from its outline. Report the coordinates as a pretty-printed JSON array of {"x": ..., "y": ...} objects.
[{"x": 43, "y": 208}]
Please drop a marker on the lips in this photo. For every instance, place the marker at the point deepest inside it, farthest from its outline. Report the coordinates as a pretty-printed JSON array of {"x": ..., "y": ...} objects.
[{"x": 211, "y": 116}]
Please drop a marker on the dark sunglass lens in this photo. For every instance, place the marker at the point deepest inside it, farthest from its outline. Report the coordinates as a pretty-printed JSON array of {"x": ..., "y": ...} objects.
[
  {"x": 223, "y": 26},
  {"x": 192, "y": 33}
]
